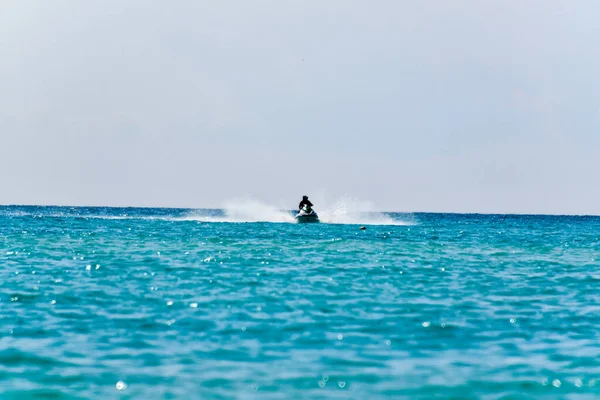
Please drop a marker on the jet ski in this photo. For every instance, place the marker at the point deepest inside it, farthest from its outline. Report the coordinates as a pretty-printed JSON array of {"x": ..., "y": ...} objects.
[{"x": 306, "y": 215}]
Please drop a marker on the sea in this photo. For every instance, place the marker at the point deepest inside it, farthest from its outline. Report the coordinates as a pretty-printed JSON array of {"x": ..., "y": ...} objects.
[{"x": 243, "y": 303}]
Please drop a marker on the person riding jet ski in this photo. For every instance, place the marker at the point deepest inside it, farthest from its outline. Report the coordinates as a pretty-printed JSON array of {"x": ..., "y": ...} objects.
[
  {"x": 305, "y": 212},
  {"x": 305, "y": 202}
]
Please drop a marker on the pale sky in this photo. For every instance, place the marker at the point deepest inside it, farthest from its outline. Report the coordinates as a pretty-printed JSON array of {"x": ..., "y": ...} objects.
[{"x": 458, "y": 106}]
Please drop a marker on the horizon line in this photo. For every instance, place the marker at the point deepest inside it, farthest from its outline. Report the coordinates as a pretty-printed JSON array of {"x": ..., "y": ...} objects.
[{"x": 388, "y": 212}]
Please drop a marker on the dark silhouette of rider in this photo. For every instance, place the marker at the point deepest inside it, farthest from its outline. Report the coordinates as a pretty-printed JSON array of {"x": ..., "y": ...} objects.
[{"x": 304, "y": 202}]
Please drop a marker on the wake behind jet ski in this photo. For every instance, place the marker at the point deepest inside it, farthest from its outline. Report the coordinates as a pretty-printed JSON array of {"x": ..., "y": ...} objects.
[{"x": 306, "y": 213}]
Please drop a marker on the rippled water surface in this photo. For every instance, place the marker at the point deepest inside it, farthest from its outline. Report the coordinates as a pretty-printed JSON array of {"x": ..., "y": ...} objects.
[{"x": 158, "y": 304}]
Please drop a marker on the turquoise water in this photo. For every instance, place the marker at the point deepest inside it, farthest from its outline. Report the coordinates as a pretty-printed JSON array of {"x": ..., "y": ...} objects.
[{"x": 154, "y": 303}]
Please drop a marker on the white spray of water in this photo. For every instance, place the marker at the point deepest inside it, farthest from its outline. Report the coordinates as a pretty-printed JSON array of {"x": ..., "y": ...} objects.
[
  {"x": 349, "y": 210},
  {"x": 343, "y": 211},
  {"x": 255, "y": 211},
  {"x": 245, "y": 211},
  {"x": 346, "y": 210}
]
